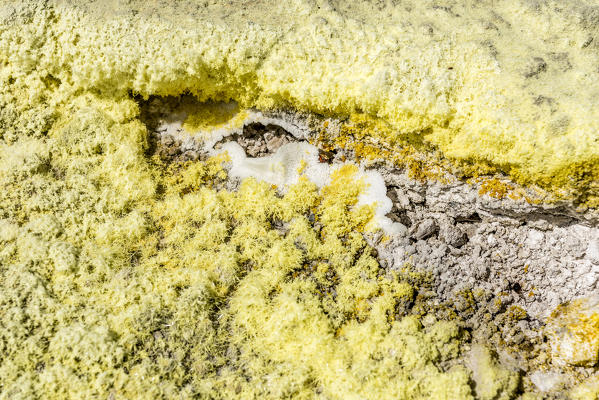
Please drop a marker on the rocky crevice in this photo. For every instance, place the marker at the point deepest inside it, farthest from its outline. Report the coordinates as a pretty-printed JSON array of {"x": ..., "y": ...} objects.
[{"x": 499, "y": 264}]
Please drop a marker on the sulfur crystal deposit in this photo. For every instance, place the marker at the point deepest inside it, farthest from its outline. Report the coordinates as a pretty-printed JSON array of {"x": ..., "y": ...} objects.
[{"x": 299, "y": 199}]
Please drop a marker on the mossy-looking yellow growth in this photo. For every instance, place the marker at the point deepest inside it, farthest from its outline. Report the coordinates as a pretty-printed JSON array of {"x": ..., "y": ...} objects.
[
  {"x": 121, "y": 277},
  {"x": 509, "y": 84}
]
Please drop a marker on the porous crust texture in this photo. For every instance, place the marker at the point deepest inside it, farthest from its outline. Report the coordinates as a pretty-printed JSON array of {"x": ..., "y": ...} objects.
[
  {"x": 509, "y": 85},
  {"x": 133, "y": 266}
]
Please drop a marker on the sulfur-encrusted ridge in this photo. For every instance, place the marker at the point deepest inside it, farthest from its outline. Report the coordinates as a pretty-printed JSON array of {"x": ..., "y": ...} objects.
[{"x": 509, "y": 84}]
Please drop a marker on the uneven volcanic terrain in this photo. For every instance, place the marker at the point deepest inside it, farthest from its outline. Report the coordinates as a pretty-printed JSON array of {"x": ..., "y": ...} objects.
[{"x": 299, "y": 199}]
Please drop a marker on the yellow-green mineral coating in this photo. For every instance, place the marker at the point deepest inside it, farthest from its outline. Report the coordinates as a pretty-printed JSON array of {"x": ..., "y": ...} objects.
[{"x": 514, "y": 84}]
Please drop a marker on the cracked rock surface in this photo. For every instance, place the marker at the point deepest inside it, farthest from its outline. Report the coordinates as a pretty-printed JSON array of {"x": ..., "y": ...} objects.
[{"x": 533, "y": 258}]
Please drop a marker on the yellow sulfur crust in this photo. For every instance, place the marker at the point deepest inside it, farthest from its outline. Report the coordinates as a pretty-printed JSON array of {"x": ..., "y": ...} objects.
[{"x": 513, "y": 85}]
